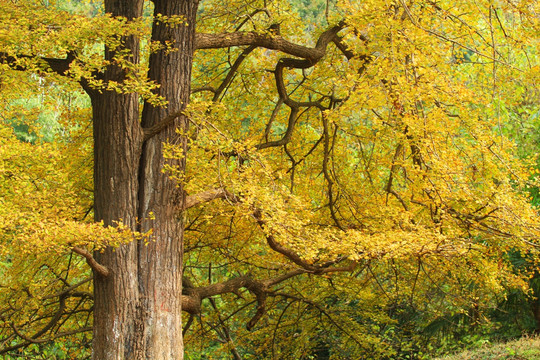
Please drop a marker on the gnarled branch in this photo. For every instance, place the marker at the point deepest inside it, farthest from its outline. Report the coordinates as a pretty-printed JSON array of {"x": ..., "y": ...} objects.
[
  {"x": 192, "y": 296},
  {"x": 268, "y": 41}
]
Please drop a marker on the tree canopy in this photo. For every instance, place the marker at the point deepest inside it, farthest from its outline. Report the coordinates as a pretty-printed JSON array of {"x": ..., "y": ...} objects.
[{"x": 342, "y": 167}]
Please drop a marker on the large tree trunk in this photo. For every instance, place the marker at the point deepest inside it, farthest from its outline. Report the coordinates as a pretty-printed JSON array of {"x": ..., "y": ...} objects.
[
  {"x": 117, "y": 151},
  {"x": 160, "y": 263},
  {"x": 116, "y": 157},
  {"x": 137, "y": 311}
]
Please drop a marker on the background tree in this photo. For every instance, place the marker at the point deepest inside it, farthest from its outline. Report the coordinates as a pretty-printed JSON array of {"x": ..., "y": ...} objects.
[{"x": 361, "y": 173}]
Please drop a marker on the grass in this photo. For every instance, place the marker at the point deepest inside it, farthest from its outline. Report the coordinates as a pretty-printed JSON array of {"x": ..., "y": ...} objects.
[{"x": 526, "y": 348}]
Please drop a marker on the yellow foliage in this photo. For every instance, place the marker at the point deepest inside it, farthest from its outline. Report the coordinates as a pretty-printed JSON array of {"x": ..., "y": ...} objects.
[{"x": 401, "y": 165}]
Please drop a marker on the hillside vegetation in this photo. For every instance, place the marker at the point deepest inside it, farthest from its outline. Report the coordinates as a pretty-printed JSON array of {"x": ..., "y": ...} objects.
[{"x": 523, "y": 349}]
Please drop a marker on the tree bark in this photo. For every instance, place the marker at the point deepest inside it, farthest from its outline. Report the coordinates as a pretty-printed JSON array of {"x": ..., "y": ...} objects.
[
  {"x": 117, "y": 144},
  {"x": 137, "y": 311},
  {"x": 116, "y": 156},
  {"x": 160, "y": 262}
]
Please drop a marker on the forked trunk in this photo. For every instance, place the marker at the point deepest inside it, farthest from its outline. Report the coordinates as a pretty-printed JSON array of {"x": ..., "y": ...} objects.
[{"x": 137, "y": 312}]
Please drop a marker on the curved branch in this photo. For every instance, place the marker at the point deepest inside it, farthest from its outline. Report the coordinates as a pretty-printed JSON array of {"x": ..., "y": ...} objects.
[
  {"x": 257, "y": 214},
  {"x": 191, "y": 300},
  {"x": 97, "y": 267},
  {"x": 280, "y": 83},
  {"x": 277, "y": 247},
  {"x": 34, "y": 339},
  {"x": 203, "y": 88},
  {"x": 308, "y": 61},
  {"x": 268, "y": 41},
  {"x": 192, "y": 297},
  {"x": 288, "y": 134}
]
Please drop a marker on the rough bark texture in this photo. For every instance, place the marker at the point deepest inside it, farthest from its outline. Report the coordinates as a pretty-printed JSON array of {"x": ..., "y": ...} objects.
[
  {"x": 160, "y": 263},
  {"x": 117, "y": 138},
  {"x": 137, "y": 312},
  {"x": 116, "y": 157}
]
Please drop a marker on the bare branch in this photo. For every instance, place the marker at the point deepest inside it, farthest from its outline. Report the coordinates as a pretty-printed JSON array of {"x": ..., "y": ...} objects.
[
  {"x": 34, "y": 339},
  {"x": 323, "y": 311},
  {"x": 272, "y": 118},
  {"x": 257, "y": 214},
  {"x": 325, "y": 169},
  {"x": 445, "y": 38},
  {"x": 203, "y": 88},
  {"x": 56, "y": 336}
]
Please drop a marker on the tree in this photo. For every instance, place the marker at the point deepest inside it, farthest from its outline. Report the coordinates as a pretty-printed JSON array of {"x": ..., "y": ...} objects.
[{"x": 376, "y": 153}]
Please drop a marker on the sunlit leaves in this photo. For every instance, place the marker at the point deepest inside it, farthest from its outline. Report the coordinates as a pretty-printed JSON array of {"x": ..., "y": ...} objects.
[
  {"x": 403, "y": 164},
  {"x": 426, "y": 185}
]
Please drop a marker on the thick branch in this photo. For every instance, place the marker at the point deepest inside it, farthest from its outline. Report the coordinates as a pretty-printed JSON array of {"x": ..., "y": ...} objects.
[
  {"x": 280, "y": 83},
  {"x": 269, "y": 41},
  {"x": 338, "y": 41},
  {"x": 59, "y": 66},
  {"x": 191, "y": 300},
  {"x": 208, "y": 195},
  {"x": 157, "y": 128},
  {"x": 97, "y": 267},
  {"x": 203, "y": 88},
  {"x": 193, "y": 296},
  {"x": 307, "y": 62}
]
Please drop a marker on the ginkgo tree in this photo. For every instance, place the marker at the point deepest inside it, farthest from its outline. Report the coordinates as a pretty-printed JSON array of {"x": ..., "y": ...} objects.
[{"x": 287, "y": 164}]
